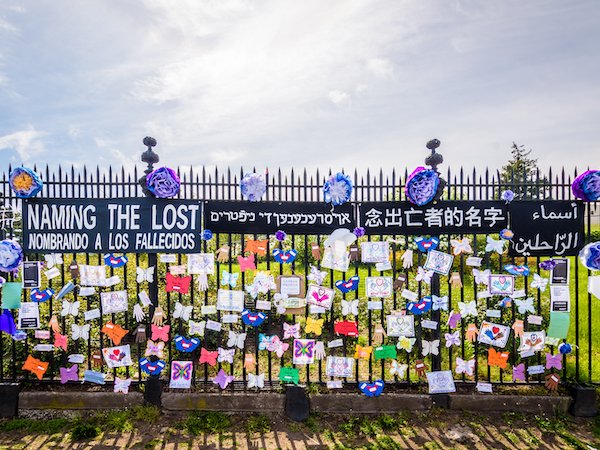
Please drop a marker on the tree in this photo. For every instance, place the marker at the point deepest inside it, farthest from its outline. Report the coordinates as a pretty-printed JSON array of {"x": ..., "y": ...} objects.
[{"x": 520, "y": 174}]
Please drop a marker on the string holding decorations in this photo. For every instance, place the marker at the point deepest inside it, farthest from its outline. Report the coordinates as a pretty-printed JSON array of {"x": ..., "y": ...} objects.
[{"x": 25, "y": 182}]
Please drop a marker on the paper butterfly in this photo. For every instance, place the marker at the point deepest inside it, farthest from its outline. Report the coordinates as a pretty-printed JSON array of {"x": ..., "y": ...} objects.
[
  {"x": 494, "y": 245},
  {"x": 143, "y": 275},
  {"x": 405, "y": 343},
  {"x": 482, "y": 276},
  {"x": 70, "y": 374},
  {"x": 115, "y": 261},
  {"x": 154, "y": 348},
  {"x": 517, "y": 270},
  {"x": 122, "y": 385},
  {"x": 426, "y": 244},
  {"x": 222, "y": 379},
  {"x": 439, "y": 303},
  {"x": 161, "y": 333},
  {"x": 53, "y": 259},
  {"x": 182, "y": 312},
  {"x": 197, "y": 328},
  {"x": 236, "y": 340},
  {"x": 431, "y": 347},
  {"x": 178, "y": 284},
  {"x": 304, "y": 347},
  {"x": 151, "y": 368},
  {"x": 314, "y": 326},
  {"x": 461, "y": 246},
  {"x": 41, "y": 296},
  {"x": 372, "y": 389},
  {"x": 186, "y": 345},
  {"x": 264, "y": 341},
  {"x": 424, "y": 275},
  {"x": 291, "y": 331},
  {"x": 278, "y": 346},
  {"x": 69, "y": 308},
  {"x": 60, "y": 341},
  {"x": 525, "y": 306},
  {"x": 208, "y": 357},
  {"x": 246, "y": 263},
  {"x": 398, "y": 369},
  {"x": 256, "y": 381},
  {"x": 350, "y": 307},
  {"x": 225, "y": 355},
  {"x": 279, "y": 300},
  {"x": 258, "y": 247},
  {"x": 181, "y": 371},
  {"x": 230, "y": 279},
  {"x": 553, "y": 361},
  {"x": 346, "y": 328},
  {"x": 539, "y": 282},
  {"x": 253, "y": 319},
  {"x": 468, "y": 308},
  {"x": 316, "y": 275},
  {"x": 284, "y": 256},
  {"x": 519, "y": 372},
  {"x": 466, "y": 367},
  {"x": 361, "y": 352},
  {"x": 347, "y": 286},
  {"x": 420, "y": 307},
  {"x": 452, "y": 338},
  {"x": 80, "y": 331}
]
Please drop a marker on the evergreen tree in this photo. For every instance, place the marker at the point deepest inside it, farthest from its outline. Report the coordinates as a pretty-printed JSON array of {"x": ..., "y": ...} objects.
[{"x": 520, "y": 174}]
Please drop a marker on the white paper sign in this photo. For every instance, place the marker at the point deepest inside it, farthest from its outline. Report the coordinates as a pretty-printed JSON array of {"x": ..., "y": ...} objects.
[{"x": 91, "y": 314}]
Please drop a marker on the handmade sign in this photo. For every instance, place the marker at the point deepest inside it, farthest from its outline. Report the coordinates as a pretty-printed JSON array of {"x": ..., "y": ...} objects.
[{"x": 181, "y": 374}]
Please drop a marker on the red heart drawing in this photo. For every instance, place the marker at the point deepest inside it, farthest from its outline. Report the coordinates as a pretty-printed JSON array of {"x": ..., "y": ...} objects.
[{"x": 495, "y": 330}]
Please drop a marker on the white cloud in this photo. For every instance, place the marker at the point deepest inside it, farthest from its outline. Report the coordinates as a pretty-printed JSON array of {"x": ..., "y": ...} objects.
[
  {"x": 381, "y": 67},
  {"x": 226, "y": 157},
  {"x": 26, "y": 143},
  {"x": 339, "y": 98}
]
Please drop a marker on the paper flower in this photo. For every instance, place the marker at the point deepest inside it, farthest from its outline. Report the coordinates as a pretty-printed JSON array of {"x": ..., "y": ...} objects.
[
  {"x": 163, "y": 182},
  {"x": 548, "y": 264},
  {"x": 507, "y": 195},
  {"x": 25, "y": 182},
  {"x": 507, "y": 234},
  {"x": 206, "y": 235},
  {"x": 337, "y": 189},
  {"x": 421, "y": 186},
  {"x": 587, "y": 186},
  {"x": 590, "y": 256},
  {"x": 11, "y": 255},
  {"x": 253, "y": 187},
  {"x": 359, "y": 231},
  {"x": 280, "y": 235}
]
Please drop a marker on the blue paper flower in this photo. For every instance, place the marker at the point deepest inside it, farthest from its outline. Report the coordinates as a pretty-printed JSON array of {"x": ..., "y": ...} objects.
[
  {"x": 590, "y": 256},
  {"x": 421, "y": 186},
  {"x": 337, "y": 189},
  {"x": 11, "y": 255},
  {"x": 508, "y": 196},
  {"x": 163, "y": 182},
  {"x": 253, "y": 187},
  {"x": 587, "y": 186},
  {"x": 25, "y": 182},
  {"x": 206, "y": 235}
]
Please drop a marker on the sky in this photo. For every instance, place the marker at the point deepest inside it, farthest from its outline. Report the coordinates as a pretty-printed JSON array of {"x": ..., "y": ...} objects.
[{"x": 336, "y": 84}]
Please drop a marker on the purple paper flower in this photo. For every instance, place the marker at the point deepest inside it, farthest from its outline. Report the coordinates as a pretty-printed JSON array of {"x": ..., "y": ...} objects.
[
  {"x": 253, "y": 187},
  {"x": 359, "y": 231},
  {"x": 590, "y": 256},
  {"x": 280, "y": 235},
  {"x": 163, "y": 182},
  {"x": 421, "y": 186},
  {"x": 587, "y": 186},
  {"x": 508, "y": 196},
  {"x": 337, "y": 189},
  {"x": 25, "y": 182},
  {"x": 11, "y": 255},
  {"x": 206, "y": 235},
  {"x": 548, "y": 264}
]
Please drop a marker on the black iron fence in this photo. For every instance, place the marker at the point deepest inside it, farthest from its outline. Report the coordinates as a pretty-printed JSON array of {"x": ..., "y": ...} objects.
[{"x": 465, "y": 186}]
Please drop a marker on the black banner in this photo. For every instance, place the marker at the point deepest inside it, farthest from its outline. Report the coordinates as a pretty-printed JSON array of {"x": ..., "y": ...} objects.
[
  {"x": 444, "y": 217},
  {"x": 136, "y": 225},
  {"x": 546, "y": 228},
  {"x": 268, "y": 217}
]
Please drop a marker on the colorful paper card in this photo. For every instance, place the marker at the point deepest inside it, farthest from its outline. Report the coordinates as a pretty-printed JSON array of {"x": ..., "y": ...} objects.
[
  {"x": 493, "y": 334},
  {"x": 11, "y": 295},
  {"x": 339, "y": 366},
  {"x": 399, "y": 325},
  {"x": 320, "y": 296},
  {"x": 230, "y": 300},
  {"x": 119, "y": 356},
  {"x": 201, "y": 263},
  {"x": 375, "y": 252},
  {"x": 113, "y": 302},
  {"x": 379, "y": 287},
  {"x": 439, "y": 262},
  {"x": 181, "y": 374},
  {"x": 304, "y": 351},
  {"x": 441, "y": 382}
]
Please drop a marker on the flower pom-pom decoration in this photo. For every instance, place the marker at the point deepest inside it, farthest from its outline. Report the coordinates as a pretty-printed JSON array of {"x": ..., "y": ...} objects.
[
  {"x": 590, "y": 256},
  {"x": 280, "y": 235},
  {"x": 507, "y": 195},
  {"x": 587, "y": 186},
  {"x": 337, "y": 189},
  {"x": 359, "y": 232},
  {"x": 163, "y": 182},
  {"x": 548, "y": 264},
  {"x": 421, "y": 186},
  {"x": 206, "y": 235},
  {"x": 25, "y": 182},
  {"x": 507, "y": 234},
  {"x": 253, "y": 187},
  {"x": 11, "y": 255}
]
